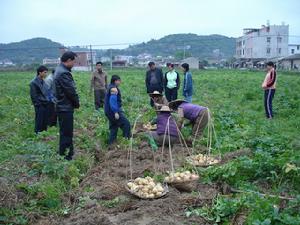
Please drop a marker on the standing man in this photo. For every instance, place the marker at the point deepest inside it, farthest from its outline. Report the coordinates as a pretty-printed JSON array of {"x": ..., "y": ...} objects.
[
  {"x": 52, "y": 117},
  {"x": 39, "y": 98},
  {"x": 99, "y": 84},
  {"x": 172, "y": 83},
  {"x": 269, "y": 86},
  {"x": 187, "y": 83},
  {"x": 114, "y": 112},
  {"x": 66, "y": 101},
  {"x": 154, "y": 80}
]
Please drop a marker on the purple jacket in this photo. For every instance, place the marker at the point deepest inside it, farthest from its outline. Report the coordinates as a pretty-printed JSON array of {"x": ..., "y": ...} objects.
[
  {"x": 191, "y": 111},
  {"x": 162, "y": 121}
]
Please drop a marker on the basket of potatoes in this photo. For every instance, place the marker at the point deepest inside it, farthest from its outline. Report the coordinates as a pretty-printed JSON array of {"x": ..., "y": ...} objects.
[
  {"x": 146, "y": 188},
  {"x": 183, "y": 181},
  {"x": 149, "y": 126},
  {"x": 203, "y": 160}
]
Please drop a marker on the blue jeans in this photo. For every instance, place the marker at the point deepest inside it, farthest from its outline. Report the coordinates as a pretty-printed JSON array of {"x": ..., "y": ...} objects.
[
  {"x": 188, "y": 99},
  {"x": 114, "y": 125}
]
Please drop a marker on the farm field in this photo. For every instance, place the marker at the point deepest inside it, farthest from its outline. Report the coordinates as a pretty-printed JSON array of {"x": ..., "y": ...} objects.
[{"x": 257, "y": 182}]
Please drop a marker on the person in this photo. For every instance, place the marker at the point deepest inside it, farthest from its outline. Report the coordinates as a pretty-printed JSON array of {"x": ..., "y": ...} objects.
[
  {"x": 154, "y": 80},
  {"x": 39, "y": 98},
  {"x": 52, "y": 117},
  {"x": 172, "y": 83},
  {"x": 99, "y": 85},
  {"x": 114, "y": 112},
  {"x": 67, "y": 100},
  {"x": 187, "y": 83},
  {"x": 269, "y": 86},
  {"x": 166, "y": 127},
  {"x": 197, "y": 115},
  {"x": 158, "y": 99}
]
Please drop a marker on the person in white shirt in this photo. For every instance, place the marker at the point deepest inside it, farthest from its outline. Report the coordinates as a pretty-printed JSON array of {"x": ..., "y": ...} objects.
[{"x": 171, "y": 83}]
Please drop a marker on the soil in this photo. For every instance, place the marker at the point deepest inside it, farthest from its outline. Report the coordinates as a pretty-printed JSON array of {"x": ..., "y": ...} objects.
[{"x": 106, "y": 181}]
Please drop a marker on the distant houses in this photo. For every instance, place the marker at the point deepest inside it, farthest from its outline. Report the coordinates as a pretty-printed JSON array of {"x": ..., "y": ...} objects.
[{"x": 268, "y": 43}]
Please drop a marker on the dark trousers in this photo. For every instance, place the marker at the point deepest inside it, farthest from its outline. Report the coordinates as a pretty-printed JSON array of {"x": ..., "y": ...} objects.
[
  {"x": 65, "y": 120},
  {"x": 52, "y": 117},
  {"x": 269, "y": 95},
  {"x": 41, "y": 118},
  {"x": 99, "y": 98},
  {"x": 114, "y": 125},
  {"x": 171, "y": 94}
]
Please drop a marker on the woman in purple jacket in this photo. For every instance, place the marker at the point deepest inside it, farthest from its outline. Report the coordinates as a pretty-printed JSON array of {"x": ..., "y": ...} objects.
[
  {"x": 166, "y": 126},
  {"x": 196, "y": 114}
]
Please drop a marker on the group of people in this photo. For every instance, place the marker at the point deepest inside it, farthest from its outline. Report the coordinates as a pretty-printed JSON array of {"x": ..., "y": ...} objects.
[{"x": 55, "y": 97}]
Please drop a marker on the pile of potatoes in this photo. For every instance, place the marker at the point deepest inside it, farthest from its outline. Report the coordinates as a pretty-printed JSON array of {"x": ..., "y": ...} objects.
[
  {"x": 204, "y": 160},
  {"x": 149, "y": 126},
  {"x": 181, "y": 177},
  {"x": 146, "y": 188}
]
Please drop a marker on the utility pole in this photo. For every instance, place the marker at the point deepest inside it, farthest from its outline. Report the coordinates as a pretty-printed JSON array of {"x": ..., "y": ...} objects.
[
  {"x": 91, "y": 58},
  {"x": 110, "y": 59}
]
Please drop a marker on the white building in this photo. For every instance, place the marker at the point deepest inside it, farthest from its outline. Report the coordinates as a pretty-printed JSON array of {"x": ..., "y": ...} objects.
[
  {"x": 192, "y": 61},
  {"x": 267, "y": 42},
  {"x": 294, "y": 49}
]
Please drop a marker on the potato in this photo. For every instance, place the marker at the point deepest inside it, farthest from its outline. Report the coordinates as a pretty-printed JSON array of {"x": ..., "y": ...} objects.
[{"x": 151, "y": 195}]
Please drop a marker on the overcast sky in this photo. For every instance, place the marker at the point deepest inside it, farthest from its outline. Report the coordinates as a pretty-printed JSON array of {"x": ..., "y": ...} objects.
[{"x": 73, "y": 22}]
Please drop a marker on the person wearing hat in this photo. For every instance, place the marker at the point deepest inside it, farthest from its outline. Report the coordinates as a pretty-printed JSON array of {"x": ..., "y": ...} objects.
[
  {"x": 166, "y": 126},
  {"x": 158, "y": 99},
  {"x": 172, "y": 83},
  {"x": 196, "y": 114}
]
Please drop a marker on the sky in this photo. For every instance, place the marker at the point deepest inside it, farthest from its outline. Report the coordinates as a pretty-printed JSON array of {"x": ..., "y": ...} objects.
[{"x": 99, "y": 22}]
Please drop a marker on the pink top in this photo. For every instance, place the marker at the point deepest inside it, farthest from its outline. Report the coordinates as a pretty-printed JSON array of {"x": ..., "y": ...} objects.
[{"x": 270, "y": 80}]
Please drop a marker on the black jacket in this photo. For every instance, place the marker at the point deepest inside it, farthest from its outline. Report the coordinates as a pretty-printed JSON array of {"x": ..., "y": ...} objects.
[
  {"x": 65, "y": 90},
  {"x": 159, "y": 76},
  {"x": 38, "y": 92}
]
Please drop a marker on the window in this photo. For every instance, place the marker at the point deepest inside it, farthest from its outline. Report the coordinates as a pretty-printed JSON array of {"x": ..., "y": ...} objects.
[
  {"x": 279, "y": 51},
  {"x": 298, "y": 47},
  {"x": 244, "y": 42},
  {"x": 268, "y": 50},
  {"x": 243, "y": 51},
  {"x": 292, "y": 51},
  {"x": 279, "y": 39},
  {"x": 268, "y": 39}
]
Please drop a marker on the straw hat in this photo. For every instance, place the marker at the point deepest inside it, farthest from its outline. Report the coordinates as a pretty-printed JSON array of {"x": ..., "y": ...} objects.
[
  {"x": 174, "y": 104},
  {"x": 155, "y": 94},
  {"x": 164, "y": 108}
]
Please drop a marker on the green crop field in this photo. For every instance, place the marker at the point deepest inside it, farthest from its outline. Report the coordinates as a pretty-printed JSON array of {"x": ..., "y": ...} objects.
[{"x": 36, "y": 184}]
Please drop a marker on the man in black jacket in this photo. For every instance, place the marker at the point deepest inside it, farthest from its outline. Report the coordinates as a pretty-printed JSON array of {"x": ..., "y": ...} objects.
[
  {"x": 66, "y": 101},
  {"x": 154, "y": 80},
  {"x": 39, "y": 98}
]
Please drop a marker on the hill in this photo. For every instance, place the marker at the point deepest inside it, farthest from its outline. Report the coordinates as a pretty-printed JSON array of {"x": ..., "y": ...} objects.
[
  {"x": 30, "y": 51},
  {"x": 195, "y": 45}
]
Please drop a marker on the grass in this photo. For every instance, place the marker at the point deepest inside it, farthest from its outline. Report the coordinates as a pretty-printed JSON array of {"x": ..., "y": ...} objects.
[{"x": 236, "y": 102}]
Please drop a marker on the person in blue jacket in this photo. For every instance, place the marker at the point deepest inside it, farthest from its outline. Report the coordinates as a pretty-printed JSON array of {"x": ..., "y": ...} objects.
[
  {"x": 187, "y": 83},
  {"x": 114, "y": 112}
]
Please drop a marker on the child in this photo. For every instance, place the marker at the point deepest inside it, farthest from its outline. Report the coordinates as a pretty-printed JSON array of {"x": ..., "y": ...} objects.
[
  {"x": 269, "y": 86},
  {"x": 114, "y": 112}
]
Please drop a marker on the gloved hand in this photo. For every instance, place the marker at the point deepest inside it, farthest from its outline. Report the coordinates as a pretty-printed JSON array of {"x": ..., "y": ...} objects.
[{"x": 117, "y": 116}]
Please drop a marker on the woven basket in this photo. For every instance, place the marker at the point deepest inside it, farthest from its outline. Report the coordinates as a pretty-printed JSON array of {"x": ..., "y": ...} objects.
[
  {"x": 196, "y": 163},
  {"x": 165, "y": 192},
  {"x": 185, "y": 186}
]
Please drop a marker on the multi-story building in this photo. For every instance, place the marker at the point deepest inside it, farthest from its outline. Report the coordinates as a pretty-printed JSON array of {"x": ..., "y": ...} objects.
[{"x": 267, "y": 42}]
